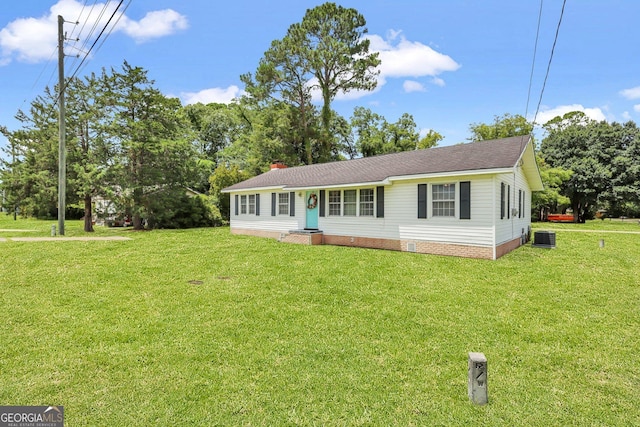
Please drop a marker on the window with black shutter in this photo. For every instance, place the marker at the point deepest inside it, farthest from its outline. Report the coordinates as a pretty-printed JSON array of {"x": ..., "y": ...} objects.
[
  {"x": 379, "y": 202},
  {"x": 322, "y": 196},
  {"x": 465, "y": 200},
  {"x": 422, "y": 200},
  {"x": 502, "y": 200},
  {"x": 274, "y": 203}
]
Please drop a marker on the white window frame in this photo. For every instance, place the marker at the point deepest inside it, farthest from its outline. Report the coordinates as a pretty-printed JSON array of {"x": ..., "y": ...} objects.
[
  {"x": 335, "y": 205},
  {"x": 252, "y": 204},
  {"x": 243, "y": 204},
  {"x": 439, "y": 203},
  {"x": 283, "y": 203},
  {"x": 366, "y": 205},
  {"x": 351, "y": 205}
]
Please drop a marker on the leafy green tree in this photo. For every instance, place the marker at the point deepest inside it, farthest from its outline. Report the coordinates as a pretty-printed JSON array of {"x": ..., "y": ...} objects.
[
  {"x": 215, "y": 127},
  {"x": 87, "y": 154},
  {"x": 325, "y": 52},
  {"x": 375, "y": 136},
  {"x": 282, "y": 76},
  {"x": 11, "y": 187},
  {"x": 622, "y": 146},
  {"x": 430, "y": 140},
  {"x": 503, "y": 126},
  {"x": 572, "y": 144},
  {"x": 149, "y": 139},
  {"x": 550, "y": 199},
  {"x": 402, "y": 135},
  {"x": 368, "y": 128},
  {"x": 269, "y": 136},
  {"x": 339, "y": 56},
  {"x": 37, "y": 169},
  {"x": 224, "y": 177}
]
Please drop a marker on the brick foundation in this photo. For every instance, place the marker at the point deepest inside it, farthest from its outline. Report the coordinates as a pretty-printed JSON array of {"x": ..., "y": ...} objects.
[
  {"x": 423, "y": 247},
  {"x": 363, "y": 242},
  {"x": 450, "y": 249},
  {"x": 505, "y": 248}
]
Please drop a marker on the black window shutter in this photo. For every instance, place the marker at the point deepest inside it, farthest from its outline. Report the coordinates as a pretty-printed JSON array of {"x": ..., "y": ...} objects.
[
  {"x": 524, "y": 207},
  {"x": 465, "y": 200},
  {"x": 502, "y": 200},
  {"x": 422, "y": 200},
  {"x": 519, "y": 203},
  {"x": 322, "y": 202},
  {"x": 380, "y": 202},
  {"x": 508, "y": 201},
  {"x": 236, "y": 204},
  {"x": 292, "y": 203},
  {"x": 257, "y": 205},
  {"x": 273, "y": 204}
]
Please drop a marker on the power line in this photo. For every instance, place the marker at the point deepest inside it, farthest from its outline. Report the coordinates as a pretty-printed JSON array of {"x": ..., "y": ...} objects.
[
  {"x": 550, "y": 59},
  {"x": 87, "y": 38},
  {"x": 533, "y": 63},
  {"x": 97, "y": 38}
]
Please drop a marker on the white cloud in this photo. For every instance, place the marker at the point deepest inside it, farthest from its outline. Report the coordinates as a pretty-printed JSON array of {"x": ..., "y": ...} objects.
[
  {"x": 413, "y": 86},
  {"x": 437, "y": 81},
  {"x": 633, "y": 93},
  {"x": 410, "y": 59},
  {"x": 626, "y": 116},
  {"x": 636, "y": 108},
  {"x": 547, "y": 114},
  {"x": 155, "y": 24},
  {"x": 35, "y": 39},
  {"x": 216, "y": 94},
  {"x": 400, "y": 60}
]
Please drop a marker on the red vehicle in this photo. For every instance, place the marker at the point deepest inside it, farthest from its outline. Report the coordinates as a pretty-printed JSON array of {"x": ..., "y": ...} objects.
[{"x": 560, "y": 218}]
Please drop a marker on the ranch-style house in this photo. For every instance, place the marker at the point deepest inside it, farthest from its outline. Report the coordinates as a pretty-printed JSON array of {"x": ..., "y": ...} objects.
[{"x": 470, "y": 200}]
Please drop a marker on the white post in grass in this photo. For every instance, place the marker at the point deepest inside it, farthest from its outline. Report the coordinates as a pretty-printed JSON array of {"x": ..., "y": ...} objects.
[{"x": 477, "y": 383}]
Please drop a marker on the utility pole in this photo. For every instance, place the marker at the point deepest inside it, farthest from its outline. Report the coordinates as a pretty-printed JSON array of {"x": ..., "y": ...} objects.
[{"x": 62, "y": 151}]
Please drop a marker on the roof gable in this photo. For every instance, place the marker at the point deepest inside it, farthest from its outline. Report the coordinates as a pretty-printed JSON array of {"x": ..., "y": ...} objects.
[{"x": 477, "y": 156}]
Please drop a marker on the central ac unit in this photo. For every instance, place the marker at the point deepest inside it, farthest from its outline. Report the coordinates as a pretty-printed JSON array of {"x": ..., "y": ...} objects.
[{"x": 544, "y": 239}]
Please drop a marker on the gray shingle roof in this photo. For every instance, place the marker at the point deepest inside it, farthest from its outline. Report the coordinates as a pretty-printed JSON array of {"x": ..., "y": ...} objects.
[{"x": 494, "y": 154}]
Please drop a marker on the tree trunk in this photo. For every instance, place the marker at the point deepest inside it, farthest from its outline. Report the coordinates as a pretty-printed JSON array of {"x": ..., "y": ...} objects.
[
  {"x": 137, "y": 202},
  {"x": 88, "y": 215}
]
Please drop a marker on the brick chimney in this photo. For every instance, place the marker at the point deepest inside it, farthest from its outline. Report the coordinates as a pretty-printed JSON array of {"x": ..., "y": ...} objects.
[{"x": 277, "y": 164}]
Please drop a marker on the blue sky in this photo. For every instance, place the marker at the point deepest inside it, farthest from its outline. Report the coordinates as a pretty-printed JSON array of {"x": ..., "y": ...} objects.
[{"x": 448, "y": 63}]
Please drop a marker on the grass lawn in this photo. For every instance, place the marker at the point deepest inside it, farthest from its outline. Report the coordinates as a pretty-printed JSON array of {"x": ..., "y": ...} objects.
[{"x": 199, "y": 327}]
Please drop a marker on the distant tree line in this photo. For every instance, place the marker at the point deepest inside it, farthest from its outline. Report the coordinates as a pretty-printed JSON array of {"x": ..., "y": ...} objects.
[
  {"x": 148, "y": 154},
  {"x": 587, "y": 166}
]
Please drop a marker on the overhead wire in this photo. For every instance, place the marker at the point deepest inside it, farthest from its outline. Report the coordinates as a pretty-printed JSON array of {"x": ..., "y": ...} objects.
[
  {"x": 115, "y": 24},
  {"x": 533, "y": 62},
  {"x": 86, "y": 55},
  {"x": 555, "y": 40},
  {"x": 89, "y": 36}
]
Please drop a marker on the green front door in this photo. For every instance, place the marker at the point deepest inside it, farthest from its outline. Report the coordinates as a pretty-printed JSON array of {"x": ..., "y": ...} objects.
[{"x": 311, "y": 204}]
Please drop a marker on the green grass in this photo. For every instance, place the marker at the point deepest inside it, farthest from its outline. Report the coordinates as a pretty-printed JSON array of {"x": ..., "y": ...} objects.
[{"x": 280, "y": 334}]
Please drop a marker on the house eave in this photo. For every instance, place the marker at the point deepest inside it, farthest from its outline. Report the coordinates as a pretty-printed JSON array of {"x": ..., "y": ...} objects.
[
  {"x": 346, "y": 185},
  {"x": 454, "y": 174},
  {"x": 254, "y": 189}
]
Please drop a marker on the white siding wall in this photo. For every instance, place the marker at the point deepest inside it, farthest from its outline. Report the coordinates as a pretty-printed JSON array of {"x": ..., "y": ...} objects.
[
  {"x": 264, "y": 221},
  {"x": 401, "y": 216},
  {"x": 510, "y": 228},
  {"x": 401, "y": 222}
]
